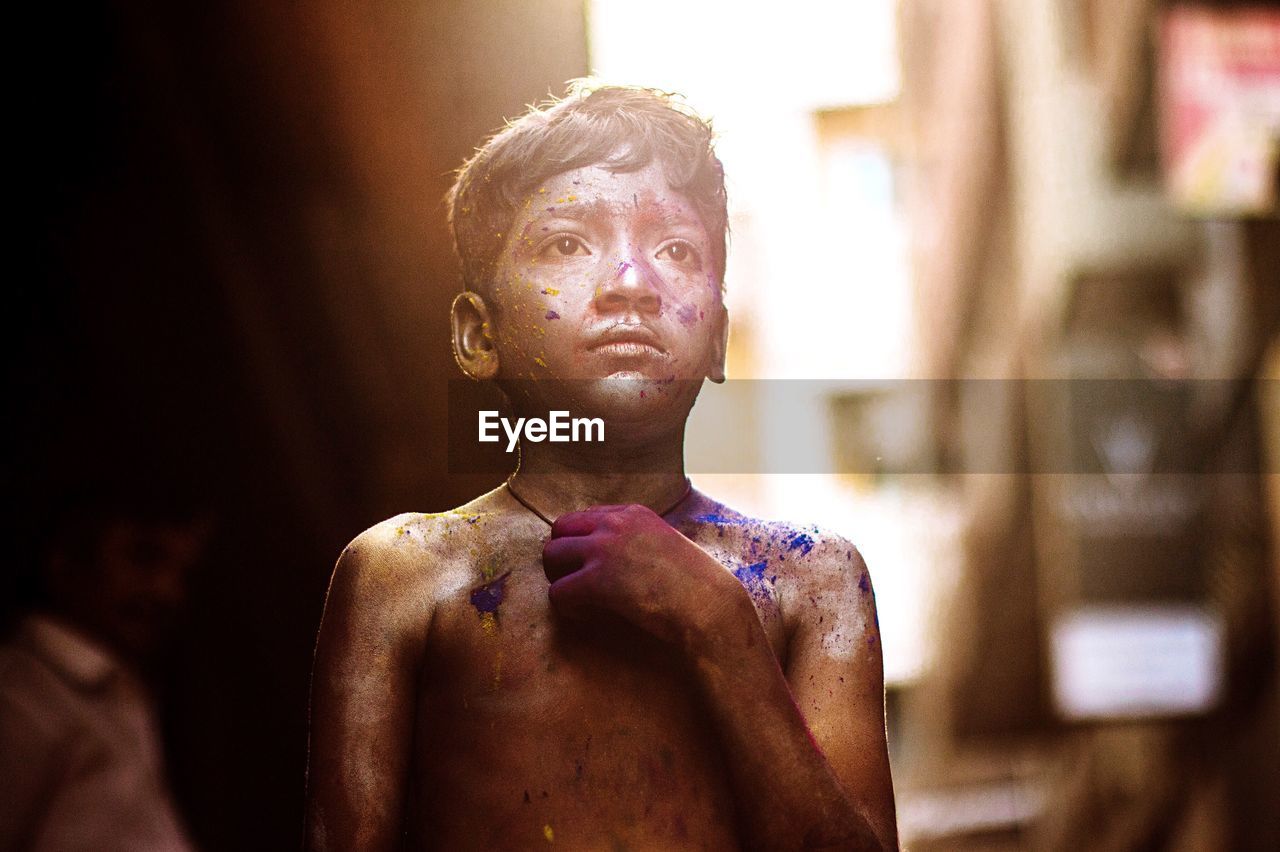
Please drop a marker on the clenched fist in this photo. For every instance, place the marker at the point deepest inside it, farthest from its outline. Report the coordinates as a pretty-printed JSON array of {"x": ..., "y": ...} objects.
[{"x": 627, "y": 562}]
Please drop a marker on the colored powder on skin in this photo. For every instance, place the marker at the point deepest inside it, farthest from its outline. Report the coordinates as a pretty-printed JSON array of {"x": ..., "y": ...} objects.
[
  {"x": 719, "y": 520},
  {"x": 800, "y": 541},
  {"x": 488, "y": 597},
  {"x": 687, "y": 314},
  {"x": 864, "y": 585},
  {"x": 552, "y": 315},
  {"x": 752, "y": 576},
  {"x": 540, "y": 362},
  {"x": 550, "y": 291},
  {"x": 548, "y": 833}
]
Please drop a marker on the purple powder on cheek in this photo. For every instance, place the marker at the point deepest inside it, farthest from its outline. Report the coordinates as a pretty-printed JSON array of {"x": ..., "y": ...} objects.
[
  {"x": 687, "y": 314},
  {"x": 488, "y": 597},
  {"x": 864, "y": 585},
  {"x": 552, "y": 315}
]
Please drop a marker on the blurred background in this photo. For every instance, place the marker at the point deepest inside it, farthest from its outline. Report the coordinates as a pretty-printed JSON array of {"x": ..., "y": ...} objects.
[{"x": 238, "y": 277}]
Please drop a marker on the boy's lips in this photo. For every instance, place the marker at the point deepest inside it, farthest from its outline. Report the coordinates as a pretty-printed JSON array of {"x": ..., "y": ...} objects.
[{"x": 628, "y": 341}]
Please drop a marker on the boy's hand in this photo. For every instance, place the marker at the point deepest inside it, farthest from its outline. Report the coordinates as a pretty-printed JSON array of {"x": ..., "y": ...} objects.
[{"x": 627, "y": 561}]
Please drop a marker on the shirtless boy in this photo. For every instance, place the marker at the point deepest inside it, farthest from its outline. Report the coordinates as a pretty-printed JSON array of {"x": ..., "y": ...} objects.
[{"x": 593, "y": 655}]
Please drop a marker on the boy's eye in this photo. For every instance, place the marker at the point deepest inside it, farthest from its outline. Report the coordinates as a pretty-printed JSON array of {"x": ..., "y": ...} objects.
[
  {"x": 679, "y": 251},
  {"x": 565, "y": 246}
]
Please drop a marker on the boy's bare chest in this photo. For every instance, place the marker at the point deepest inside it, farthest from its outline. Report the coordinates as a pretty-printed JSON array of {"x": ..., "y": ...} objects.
[
  {"x": 525, "y": 717},
  {"x": 495, "y": 639}
]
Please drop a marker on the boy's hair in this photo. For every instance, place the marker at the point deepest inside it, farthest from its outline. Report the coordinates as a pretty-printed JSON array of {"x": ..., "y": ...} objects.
[{"x": 622, "y": 128}]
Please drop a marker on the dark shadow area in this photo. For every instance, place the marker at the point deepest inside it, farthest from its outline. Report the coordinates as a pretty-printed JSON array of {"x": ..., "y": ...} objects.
[{"x": 235, "y": 282}]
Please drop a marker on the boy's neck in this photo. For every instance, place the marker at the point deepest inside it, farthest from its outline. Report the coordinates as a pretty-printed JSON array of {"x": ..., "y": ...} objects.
[{"x": 557, "y": 482}]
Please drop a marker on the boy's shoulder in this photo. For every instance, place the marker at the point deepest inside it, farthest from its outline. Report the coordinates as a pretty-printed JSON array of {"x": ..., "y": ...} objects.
[
  {"x": 412, "y": 536},
  {"x": 818, "y": 578},
  {"x": 804, "y": 555},
  {"x": 412, "y": 557}
]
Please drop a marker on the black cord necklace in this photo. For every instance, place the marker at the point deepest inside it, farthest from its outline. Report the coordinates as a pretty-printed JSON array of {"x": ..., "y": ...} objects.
[{"x": 688, "y": 489}]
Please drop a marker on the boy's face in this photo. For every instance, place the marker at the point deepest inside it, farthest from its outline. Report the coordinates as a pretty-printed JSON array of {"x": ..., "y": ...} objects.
[{"x": 607, "y": 275}]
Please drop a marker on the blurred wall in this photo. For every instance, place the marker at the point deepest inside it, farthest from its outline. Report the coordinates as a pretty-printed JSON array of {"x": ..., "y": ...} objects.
[{"x": 1050, "y": 249}]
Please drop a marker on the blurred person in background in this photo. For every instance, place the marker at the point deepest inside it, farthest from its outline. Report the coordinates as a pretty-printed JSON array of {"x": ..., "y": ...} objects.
[{"x": 80, "y": 747}]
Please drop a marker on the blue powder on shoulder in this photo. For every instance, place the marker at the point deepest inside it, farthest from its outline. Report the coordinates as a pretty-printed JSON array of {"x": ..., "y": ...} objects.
[
  {"x": 800, "y": 541},
  {"x": 753, "y": 578},
  {"x": 718, "y": 519}
]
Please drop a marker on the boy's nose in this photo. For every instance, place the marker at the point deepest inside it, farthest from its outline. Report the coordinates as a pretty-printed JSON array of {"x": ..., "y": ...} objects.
[{"x": 631, "y": 285}]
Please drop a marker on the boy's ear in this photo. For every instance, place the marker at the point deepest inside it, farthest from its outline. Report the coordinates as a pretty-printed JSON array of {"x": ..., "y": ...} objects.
[
  {"x": 721, "y": 344},
  {"x": 473, "y": 346}
]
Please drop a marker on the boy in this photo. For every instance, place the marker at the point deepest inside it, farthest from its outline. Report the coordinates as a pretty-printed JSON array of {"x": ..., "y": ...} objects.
[{"x": 594, "y": 655}]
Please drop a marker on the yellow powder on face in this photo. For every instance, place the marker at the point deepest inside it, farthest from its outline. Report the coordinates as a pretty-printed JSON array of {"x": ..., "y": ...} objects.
[
  {"x": 489, "y": 624},
  {"x": 548, "y": 833},
  {"x": 497, "y": 667},
  {"x": 551, "y": 291},
  {"x": 540, "y": 362}
]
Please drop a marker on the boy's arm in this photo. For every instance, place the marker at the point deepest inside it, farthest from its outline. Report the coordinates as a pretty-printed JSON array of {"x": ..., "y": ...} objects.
[
  {"x": 363, "y": 698},
  {"x": 807, "y": 750},
  {"x": 816, "y": 778}
]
